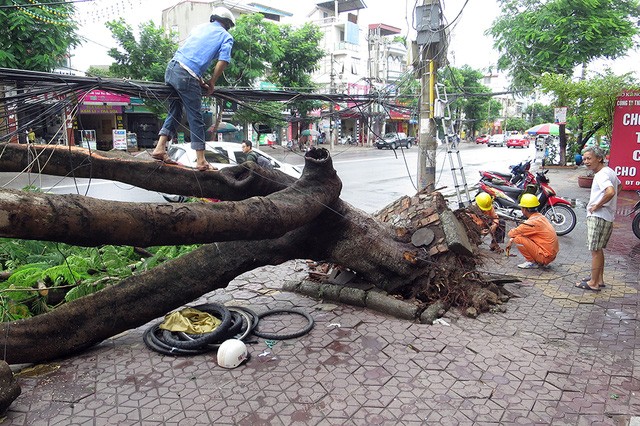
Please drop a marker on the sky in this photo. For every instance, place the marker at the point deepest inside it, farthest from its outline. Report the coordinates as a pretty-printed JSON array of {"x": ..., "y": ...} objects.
[{"x": 468, "y": 45}]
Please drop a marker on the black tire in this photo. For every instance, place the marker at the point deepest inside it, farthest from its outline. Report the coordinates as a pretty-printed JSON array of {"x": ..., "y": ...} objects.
[
  {"x": 254, "y": 316},
  {"x": 152, "y": 338},
  {"x": 408, "y": 145},
  {"x": 393, "y": 145},
  {"x": 635, "y": 225},
  {"x": 220, "y": 311},
  {"x": 562, "y": 217},
  {"x": 379, "y": 147},
  {"x": 273, "y": 336}
]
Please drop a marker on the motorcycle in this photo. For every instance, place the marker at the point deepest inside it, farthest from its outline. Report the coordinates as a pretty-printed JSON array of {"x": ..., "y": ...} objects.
[
  {"x": 558, "y": 210},
  {"x": 635, "y": 225},
  {"x": 516, "y": 176}
]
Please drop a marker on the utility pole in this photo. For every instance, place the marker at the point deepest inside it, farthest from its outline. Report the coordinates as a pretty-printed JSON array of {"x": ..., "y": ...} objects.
[
  {"x": 332, "y": 89},
  {"x": 430, "y": 40}
]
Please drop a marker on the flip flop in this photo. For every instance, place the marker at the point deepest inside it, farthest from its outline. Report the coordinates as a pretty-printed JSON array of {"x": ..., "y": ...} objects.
[
  {"x": 206, "y": 168},
  {"x": 603, "y": 285},
  {"x": 164, "y": 158},
  {"x": 583, "y": 285}
]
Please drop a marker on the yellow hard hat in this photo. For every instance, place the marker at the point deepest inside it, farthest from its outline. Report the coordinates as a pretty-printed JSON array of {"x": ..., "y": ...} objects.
[
  {"x": 484, "y": 201},
  {"x": 529, "y": 201}
]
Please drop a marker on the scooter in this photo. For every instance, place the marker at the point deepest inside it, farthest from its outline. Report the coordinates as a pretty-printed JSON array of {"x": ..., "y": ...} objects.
[
  {"x": 515, "y": 178},
  {"x": 558, "y": 210}
]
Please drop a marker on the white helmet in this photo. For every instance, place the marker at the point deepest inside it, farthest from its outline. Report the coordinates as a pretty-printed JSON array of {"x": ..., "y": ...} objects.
[
  {"x": 232, "y": 353},
  {"x": 221, "y": 14}
]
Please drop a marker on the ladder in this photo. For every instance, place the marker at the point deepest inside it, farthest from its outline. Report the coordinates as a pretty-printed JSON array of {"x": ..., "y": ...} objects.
[{"x": 443, "y": 111}]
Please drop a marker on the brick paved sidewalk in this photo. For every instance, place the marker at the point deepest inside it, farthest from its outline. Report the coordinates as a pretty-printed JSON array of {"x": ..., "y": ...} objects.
[{"x": 559, "y": 355}]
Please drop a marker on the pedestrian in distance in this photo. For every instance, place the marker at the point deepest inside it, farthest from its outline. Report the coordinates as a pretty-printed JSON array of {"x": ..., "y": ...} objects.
[
  {"x": 535, "y": 238},
  {"x": 486, "y": 217},
  {"x": 31, "y": 136},
  {"x": 601, "y": 211},
  {"x": 185, "y": 73}
]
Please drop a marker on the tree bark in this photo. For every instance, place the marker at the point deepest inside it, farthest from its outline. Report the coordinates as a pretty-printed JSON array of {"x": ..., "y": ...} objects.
[
  {"x": 318, "y": 225},
  {"x": 85, "y": 221}
]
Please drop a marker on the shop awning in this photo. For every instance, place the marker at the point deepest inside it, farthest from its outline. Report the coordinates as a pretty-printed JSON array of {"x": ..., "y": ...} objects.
[{"x": 102, "y": 97}]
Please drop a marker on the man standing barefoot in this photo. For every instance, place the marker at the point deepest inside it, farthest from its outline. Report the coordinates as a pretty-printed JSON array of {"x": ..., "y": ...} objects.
[{"x": 601, "y": 211}]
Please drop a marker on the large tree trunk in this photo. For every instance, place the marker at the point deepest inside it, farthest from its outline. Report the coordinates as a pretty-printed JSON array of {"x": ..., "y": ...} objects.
[{"x": 305, "y": 219}]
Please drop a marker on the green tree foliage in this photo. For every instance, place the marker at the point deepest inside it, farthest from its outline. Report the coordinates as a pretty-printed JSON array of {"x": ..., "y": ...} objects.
[
  {"x": 143, "y": 59},
  {"x": 267, "y": 113},
  {"x": 535, "y": 36},
  {"x": 256, "y": 45},
  {"x": 517, "y": 124},
  {"x": 293, "y": 70},
  {"x": 598, "y": 94},
  {"x": 471, "y": 99},
  {"x": 36, "y": 38},
  {"x": 538, "y": 113},
  {"x": 46, "y": 274}
]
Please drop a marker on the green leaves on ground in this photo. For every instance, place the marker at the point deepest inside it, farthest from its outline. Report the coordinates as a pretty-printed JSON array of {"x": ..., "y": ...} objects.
[{"x": 45, "y": 274}]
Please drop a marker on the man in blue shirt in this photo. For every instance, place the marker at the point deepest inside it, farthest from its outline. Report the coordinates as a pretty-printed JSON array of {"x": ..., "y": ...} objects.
[{"x": 206, "y": 43}]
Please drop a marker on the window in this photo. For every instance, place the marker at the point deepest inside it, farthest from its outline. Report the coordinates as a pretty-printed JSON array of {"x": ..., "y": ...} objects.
[{"x": 217, "y": 155}]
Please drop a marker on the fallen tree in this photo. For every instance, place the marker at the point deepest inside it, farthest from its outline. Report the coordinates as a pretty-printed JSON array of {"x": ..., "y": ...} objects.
[{"x": 271, "y": 219}]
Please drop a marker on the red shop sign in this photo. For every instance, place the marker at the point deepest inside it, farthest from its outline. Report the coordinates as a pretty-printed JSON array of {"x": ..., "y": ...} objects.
[{"x": 625, "y": 140}]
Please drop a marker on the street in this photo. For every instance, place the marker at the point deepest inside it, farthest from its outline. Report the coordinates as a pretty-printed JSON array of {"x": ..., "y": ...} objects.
[{"x": 372, "y": 178}]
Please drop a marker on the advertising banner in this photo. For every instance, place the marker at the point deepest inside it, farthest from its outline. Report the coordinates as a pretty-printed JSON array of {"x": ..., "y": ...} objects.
[
  {"x": 120, "y": 139},
  {"x": 625, "y": 140}
]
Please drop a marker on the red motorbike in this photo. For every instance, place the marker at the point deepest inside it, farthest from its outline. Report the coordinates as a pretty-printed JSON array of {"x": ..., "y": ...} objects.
[
  {"x": 516, "y": 176},
  {"x": 558, "y": 210}
]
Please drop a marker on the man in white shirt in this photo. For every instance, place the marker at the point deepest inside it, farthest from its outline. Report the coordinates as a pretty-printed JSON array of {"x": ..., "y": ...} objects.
[{"x": 601, "y": 211}]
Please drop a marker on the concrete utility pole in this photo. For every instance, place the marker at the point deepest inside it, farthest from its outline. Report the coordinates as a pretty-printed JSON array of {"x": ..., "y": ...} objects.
[
  {"x": 332, "y": 89},
  {"x": 430, "y": 41}
]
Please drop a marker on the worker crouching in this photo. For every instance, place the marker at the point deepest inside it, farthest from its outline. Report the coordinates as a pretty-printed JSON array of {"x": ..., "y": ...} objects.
[{"x": 536, "y": 237}]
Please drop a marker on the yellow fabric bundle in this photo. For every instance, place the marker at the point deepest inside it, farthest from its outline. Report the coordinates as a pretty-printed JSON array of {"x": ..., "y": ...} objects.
[{"x": 191, "y": 321}]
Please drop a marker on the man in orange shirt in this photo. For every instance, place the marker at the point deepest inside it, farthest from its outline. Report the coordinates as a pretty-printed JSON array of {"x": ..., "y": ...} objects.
[
  {"x": 536, "y": 237},
  {"x": 488, "y": 220}
]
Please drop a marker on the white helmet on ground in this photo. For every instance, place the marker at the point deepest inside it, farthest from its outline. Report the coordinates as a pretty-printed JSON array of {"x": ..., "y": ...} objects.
[
  {"x": 222, "y": 14},
  {"x": 232, "y": 353}
]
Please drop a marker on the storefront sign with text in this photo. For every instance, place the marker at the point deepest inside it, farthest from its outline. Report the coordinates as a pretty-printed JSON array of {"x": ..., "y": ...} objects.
[{"x": 625, "y": 141}]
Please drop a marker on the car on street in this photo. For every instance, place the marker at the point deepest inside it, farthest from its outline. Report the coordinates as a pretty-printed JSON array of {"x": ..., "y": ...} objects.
[
  {"x": 221, "y": 155},
  {"x": 518, "y": 141},
  {"x": 496, "y": 140},
  {"x": 393, "y": 140},
  {"x": 482, "y": 139}
]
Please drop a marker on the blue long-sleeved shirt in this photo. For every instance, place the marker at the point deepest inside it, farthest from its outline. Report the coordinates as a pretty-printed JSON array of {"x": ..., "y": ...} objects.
[{"x": 205, "y": 43}]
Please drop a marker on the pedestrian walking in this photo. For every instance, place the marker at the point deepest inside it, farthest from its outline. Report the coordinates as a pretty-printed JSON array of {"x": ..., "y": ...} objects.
[{"x": 601, "y": 211}]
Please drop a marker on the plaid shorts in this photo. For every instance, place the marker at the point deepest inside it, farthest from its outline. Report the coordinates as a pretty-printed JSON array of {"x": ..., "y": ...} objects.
[{"x": 598, "y": 233}]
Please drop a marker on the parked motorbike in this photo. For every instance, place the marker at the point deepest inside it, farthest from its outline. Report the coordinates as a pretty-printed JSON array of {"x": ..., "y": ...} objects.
[
  {"x": 635, "y": 225},
  {"x": 558, "y": 210},
  {"x": 516, "y": 176}
]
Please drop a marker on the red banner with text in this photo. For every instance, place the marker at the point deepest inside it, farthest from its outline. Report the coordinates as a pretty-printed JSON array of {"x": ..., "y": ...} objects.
[{"x": 625, "y": 140}]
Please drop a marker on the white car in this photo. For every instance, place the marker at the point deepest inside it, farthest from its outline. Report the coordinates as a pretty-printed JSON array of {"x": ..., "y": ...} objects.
[
  {"x": 225, "y": 154},
  {"x": 221, "y": 155},
  {"x": 497, "y": 140}
]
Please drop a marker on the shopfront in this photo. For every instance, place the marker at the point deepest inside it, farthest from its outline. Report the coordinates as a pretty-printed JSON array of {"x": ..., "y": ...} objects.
[{"x": 98, "y": 115}]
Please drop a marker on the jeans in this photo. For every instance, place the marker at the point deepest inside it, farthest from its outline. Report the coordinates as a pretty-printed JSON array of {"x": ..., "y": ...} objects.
[{"x": 190, "y": 96}]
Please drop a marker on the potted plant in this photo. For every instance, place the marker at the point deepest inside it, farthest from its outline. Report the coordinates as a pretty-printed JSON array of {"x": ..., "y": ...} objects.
[{"x": 586, "y": 180}]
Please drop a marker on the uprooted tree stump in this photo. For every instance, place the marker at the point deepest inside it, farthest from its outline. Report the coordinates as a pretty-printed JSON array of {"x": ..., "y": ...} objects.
[{"x": 266, "y": 218}]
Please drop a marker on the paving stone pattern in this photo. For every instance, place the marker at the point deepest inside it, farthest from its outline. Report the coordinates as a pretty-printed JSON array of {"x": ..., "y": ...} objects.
[{"x": 559, "y": 355}]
